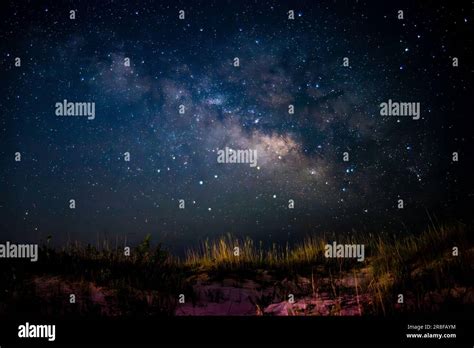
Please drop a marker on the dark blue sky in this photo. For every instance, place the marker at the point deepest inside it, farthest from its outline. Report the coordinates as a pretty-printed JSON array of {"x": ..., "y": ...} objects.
[{"x": 190, "y": 62}]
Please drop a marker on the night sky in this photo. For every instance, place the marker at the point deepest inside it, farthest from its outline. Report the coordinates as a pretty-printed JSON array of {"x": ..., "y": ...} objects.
[{"x": 173, "y": 156}]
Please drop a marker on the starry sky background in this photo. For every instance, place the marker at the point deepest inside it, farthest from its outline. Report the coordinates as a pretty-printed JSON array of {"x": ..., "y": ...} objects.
[{"x": 173, "y": 156}]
